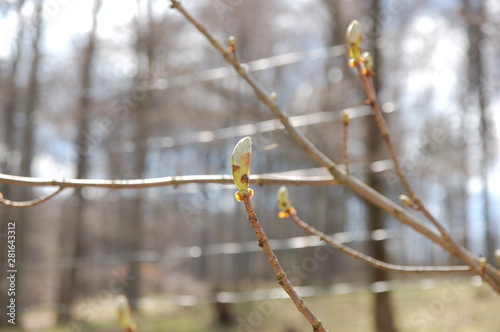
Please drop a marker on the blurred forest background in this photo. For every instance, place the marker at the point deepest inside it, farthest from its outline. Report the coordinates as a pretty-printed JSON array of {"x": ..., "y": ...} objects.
[{"x": 124, "y": 89}]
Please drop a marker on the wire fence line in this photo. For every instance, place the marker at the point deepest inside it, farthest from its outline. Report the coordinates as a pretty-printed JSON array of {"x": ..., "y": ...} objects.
[
  {"x": 223, "y": 248},
  {"x": 334, "y": 289},
  {"x": 208, "y": 136},
  {"x": 161, "y": 84}
]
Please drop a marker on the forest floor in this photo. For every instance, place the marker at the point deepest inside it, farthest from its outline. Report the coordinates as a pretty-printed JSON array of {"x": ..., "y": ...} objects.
[{"x": 450, "y": 305}]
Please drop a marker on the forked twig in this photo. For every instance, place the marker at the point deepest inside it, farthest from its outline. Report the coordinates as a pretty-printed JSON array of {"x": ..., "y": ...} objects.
[
  {"x": 33, "y": 202},
  {"x": 370, "y": 260},
  {"x": 346, "y": 120},
  {"x": 364, "y": 65},
  {"x": 363, "y": 190},
  {"x": 240, "y": 164},
  {"x": 301, "y": 305}
]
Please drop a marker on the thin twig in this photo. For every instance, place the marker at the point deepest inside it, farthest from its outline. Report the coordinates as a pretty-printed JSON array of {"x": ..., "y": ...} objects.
[
  {"x": 263, "y": 180},
  {"x": 370, "y": 260},
  {"x": 367, "y": 82},
  {"x": 31, "y": 203},
  {"x": 278, "y": 271},
  {"x": 346, "y": 120},
  {"x": 354, "y": 184}
]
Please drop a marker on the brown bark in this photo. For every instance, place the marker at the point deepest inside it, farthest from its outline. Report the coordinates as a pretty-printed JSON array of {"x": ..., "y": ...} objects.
[
  {"x": 12, "y": 91},
  {"x": 474, "y": 15},
  {"x": 383, "y": 312},
  {"x": 22, "y": 217},
  {"x": 144, "y": 46},
  {"x": 73, "y": 236}
]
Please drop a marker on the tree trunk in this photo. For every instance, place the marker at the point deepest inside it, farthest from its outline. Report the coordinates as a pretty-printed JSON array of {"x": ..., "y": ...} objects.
[
  {"x": 10, "y": 107},
  {"x": 474, "y": 17},
  {"x": 21, "y": 217},
  {"x": 383, "y": 313},
  {"x": 73, "y": 229},
  {"x": 144, "y": 46}
]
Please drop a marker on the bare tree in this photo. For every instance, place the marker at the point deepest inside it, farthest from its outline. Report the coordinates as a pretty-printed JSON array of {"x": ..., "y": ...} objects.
[
  {"x": 474, "y": 15},
  {"x": 73, "y": 230},
  {"x": 383, "y": 312},
  {"x": 27, "y": 150},
  {"x": 141, "y": 116},
  {"x": 134, "y": 233},
  {"x": 10, "y": 107}
]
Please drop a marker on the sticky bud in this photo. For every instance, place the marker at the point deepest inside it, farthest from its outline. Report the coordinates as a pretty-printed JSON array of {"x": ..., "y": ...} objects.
[
  {"x": 240, "y": 163},
  {"x": 483, "y": 262},
  {"x": 497, "y": 256},
  {"x": 284, "y": 204},
  {"x": 124, "y": 316},
  {"x": 345, "y": 118},
  {"x": 273, "y": 96},
  {"x": 283, "y": 199},
  {"x": 353, "y": 37},
  {"x": 367, "y": 60},
  {"x": 232, "y": 43},
  {"x": 405, "y": 200}
]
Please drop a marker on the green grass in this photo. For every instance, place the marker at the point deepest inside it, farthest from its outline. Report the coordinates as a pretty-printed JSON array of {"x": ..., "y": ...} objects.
[{"x": 451, "y": 306}]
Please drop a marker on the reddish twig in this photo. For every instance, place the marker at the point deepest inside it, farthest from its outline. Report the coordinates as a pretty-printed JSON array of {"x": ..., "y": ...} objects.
[
  {"x": 366, "y": 78},
  {"x": 363, "y": 190},
  {"x": 301, "y": 305},
  {"x": 31, "y": 203},
  {"x": 370, "y": 260}
]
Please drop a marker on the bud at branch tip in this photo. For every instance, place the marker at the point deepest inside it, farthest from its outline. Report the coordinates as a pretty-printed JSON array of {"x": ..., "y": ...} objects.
[
  {"x": 284, "y": 204},
  {"x": 405, "y": 200},
  {"x": 345, "y": 118},
  {"x": 124, "y": 315},
  {"x": 232, "y": 43},
  {"x": 353, "y": 37},
  {"x": 273, "y": 96},
  {"x": 240, "y": 163},
  {"x": 367, "y": 60}
]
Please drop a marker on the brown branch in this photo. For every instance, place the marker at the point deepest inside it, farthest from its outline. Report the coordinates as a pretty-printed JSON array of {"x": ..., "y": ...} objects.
[
  {"x": 346, "y": 120},
  {"x": 264, "y": 179},
  {"x": 278, "y": 271},
  {"x": 354, "y": 184},
  {"x": 349, "y": 181},
  {"x": 31, "y": 203},
  {"x": 370, "y": 260},
  {"x": 454, "y": 247}
]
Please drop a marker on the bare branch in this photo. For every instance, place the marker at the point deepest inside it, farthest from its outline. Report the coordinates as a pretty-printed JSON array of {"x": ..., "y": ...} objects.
[
  {"x": 263, "y": 180},
  {"x": 31, "y": 203},
  {"x": 366, "y": 77},
  {"x": 370, "y": 260},
  {"x": 357, "y": 186},
  {"x": 346, "y": 119},
  {"x": 278, "y": 271},
  {"x": 351, "y": 182}
]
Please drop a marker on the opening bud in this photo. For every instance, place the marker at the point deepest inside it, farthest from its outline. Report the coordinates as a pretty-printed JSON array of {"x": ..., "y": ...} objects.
[
  {"x": 284, "y": 204},
  {"x": 240, "y": 163},
  {"x": 353, "y": 37},
  {"x": 124, "y": 316},
  {"x": 367, "y": 60}
]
